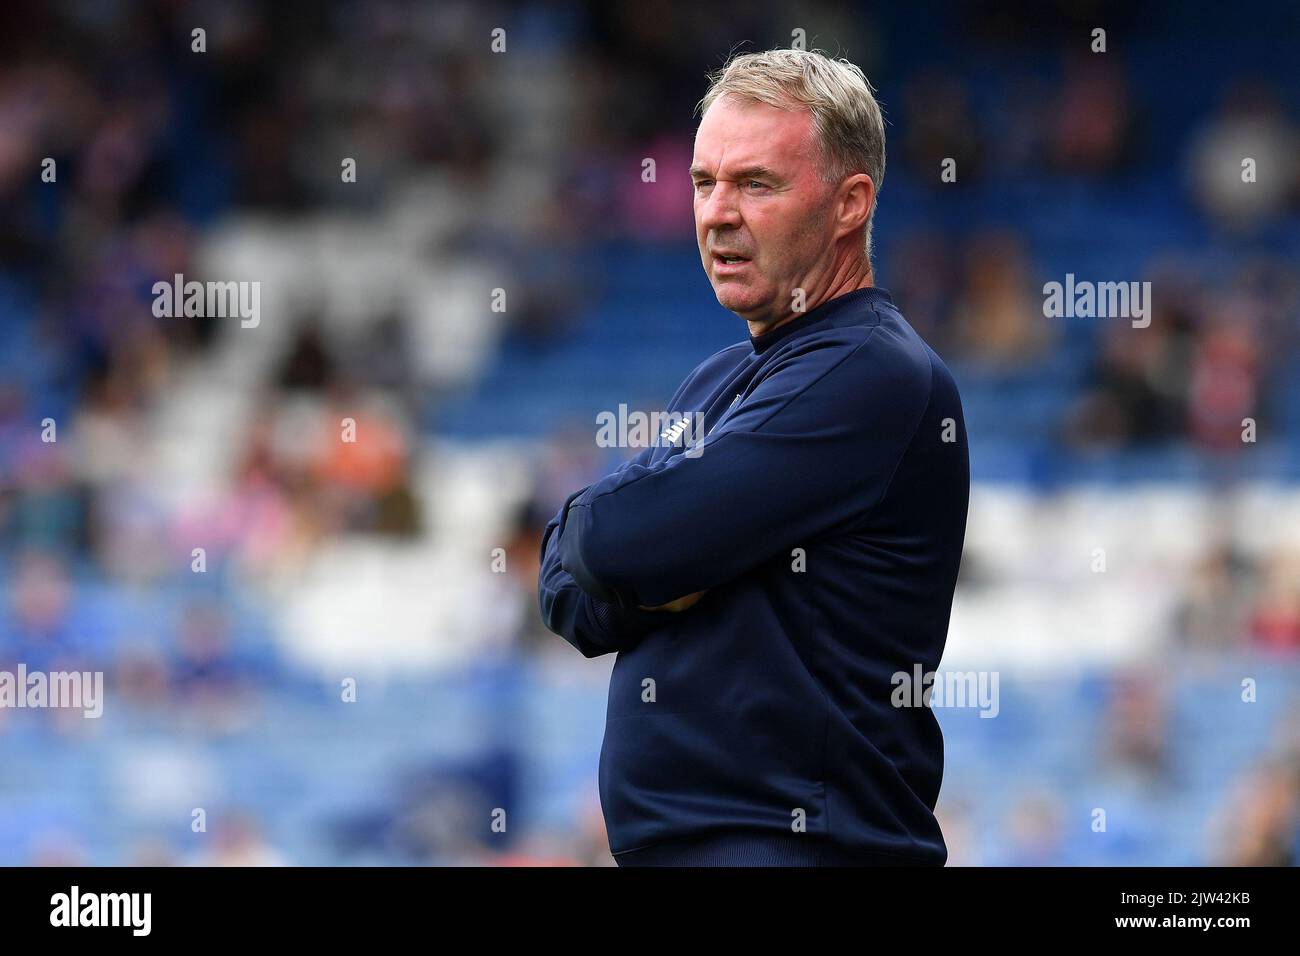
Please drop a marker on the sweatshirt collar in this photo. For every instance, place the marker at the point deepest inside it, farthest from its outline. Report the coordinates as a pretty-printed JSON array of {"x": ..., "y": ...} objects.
[{"x": 865, "y": 297}]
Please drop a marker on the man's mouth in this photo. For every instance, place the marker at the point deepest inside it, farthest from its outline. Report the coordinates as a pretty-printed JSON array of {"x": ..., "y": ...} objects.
[{"x": 721, "y": 260}]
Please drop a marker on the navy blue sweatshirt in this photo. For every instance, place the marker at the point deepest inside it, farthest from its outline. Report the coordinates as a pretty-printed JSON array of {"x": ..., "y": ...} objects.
[{"x": 824, "y": 514}]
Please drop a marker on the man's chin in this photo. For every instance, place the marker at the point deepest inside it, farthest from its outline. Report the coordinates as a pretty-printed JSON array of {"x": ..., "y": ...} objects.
[{"x": 736, "y": 299}]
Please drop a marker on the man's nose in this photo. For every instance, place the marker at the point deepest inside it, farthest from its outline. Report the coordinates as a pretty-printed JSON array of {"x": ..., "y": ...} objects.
[{"x": 719, "y": 209}]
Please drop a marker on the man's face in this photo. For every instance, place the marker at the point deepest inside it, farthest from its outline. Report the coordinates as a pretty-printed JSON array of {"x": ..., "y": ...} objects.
[{"x": 758, "y": 196}]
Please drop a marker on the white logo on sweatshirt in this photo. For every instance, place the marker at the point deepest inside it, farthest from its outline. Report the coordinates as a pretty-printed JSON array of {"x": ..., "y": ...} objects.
[{"x": 724, "y": 414}]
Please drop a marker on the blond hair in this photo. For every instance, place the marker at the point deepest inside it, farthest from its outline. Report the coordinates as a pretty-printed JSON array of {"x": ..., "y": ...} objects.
[{"x": 846, "y": 118}]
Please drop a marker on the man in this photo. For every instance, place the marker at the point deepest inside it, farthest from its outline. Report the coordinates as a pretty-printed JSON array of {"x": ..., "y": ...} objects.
[{"x": 765, "y": 582}]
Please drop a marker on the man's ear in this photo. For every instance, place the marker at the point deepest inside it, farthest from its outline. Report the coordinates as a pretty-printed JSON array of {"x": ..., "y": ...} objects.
[{"x": 857, "y": 199}]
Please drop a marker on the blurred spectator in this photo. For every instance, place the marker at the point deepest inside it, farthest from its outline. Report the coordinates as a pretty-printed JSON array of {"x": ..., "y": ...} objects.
[
  {"x": 1259, "y": 825},
  {"x": 996, "y": 319},
  {"x": 236, "y": 840},
  {"x": 1135, "y": 729},
  {"x": 942, "y": 126},
  {"x": 1093, "y": 117},
  {"x": 308, "y": 366},
  {"x": 1138, "y": 392},
  {"x": 1275, "y": 618},
  {"x": 205, "y": 673},
  {"x": 1034, "y": 832},
  {"x": 1249, "y": 125},
  {"x": 1212, "y": 613},
  {"x": 38, "y": 628},
  {"x": 1223, "y": 390},
  {"x": 923, "y": 282}
]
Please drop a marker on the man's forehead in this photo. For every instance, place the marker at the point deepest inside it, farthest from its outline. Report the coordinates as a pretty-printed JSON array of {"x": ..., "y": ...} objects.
[{"x": 749, "y": 135}]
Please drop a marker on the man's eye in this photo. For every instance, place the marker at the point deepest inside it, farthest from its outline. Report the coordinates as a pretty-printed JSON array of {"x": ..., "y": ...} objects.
[
  {"x": 755, "y": 182},
  {"x": 700, "y": 184}
]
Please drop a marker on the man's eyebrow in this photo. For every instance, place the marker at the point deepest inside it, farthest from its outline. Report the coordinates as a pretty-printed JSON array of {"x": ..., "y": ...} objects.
[{"x": 749, "y": 172}]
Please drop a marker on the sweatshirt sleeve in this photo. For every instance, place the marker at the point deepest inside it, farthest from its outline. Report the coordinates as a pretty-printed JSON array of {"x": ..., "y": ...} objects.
[
  {"x": 812, "y": 447},
  {"x": 593, "y": 627}
]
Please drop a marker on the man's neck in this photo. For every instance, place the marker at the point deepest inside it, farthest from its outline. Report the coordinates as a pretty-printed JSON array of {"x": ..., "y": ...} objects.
[{"x": 863, "y": 280}]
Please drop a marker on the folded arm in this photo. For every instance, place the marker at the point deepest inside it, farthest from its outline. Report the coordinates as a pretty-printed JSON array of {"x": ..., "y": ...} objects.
[
  {"x": 593, "y": 627},
  {"x": 813, "y": 446}
]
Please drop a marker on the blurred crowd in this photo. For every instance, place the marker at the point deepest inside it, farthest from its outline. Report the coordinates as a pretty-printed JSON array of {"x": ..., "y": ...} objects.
[{"x": 154, "y": 145}]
